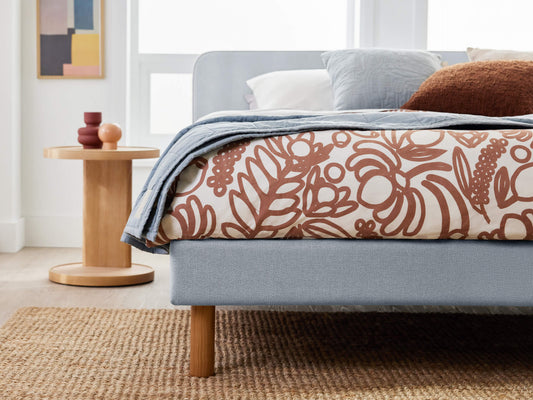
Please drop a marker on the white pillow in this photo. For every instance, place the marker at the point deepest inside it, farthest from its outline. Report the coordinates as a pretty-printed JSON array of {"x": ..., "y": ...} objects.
[
  {"x": 303, "y": 89},
  {"x": 490, "y": 54},
  {"x": 252, "y": 102}
]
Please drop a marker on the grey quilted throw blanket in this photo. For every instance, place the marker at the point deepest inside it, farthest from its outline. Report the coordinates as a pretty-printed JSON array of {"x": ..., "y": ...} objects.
[{"x": 204, "y": 136}]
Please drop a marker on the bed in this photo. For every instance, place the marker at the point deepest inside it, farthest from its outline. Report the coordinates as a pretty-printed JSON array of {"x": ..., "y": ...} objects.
[{"x": 264, "y": 271}]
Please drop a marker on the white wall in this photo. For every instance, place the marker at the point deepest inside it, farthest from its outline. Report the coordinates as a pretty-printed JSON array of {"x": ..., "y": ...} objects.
[
  {"x": 11, "y": 223},
  {"x": 52, "y": 112}
]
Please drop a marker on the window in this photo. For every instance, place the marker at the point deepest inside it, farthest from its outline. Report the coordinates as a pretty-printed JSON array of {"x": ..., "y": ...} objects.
[
  {"x": 193, "y": 27},
  {"x": 166, "y": 36},
  {"x": 493, "y": 24},
  {"x": 169, "y": 102}
]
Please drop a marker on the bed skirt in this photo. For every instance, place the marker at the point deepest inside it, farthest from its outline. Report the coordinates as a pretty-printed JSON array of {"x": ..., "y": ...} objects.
[{"x": 351, "y": 272}]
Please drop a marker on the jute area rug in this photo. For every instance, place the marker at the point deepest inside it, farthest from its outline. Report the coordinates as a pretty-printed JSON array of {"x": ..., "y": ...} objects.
[{"x": 68, "y": 353}]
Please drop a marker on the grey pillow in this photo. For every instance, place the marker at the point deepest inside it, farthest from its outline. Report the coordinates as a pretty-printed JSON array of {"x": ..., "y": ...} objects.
[{"x": 377, "y": 78}]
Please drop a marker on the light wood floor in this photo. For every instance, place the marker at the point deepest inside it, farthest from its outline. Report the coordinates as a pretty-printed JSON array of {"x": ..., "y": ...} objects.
[{"x": 24, "y": 282}]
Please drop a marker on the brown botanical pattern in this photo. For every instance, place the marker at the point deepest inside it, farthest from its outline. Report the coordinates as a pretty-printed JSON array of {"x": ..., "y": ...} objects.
[
  {"x": 430, "y": 184},
  {"x": 517, "y": 188},
  {"x": 385, "y": 185},
  {"x": 518, "y": 134},
  {"x": 513, "y": 227},
  {"x": 469, "y": 139},
  {"x": 366, "y": 229},
  {"x": 223, "y": 164},
  {"x": 476, "y": 185},
  {"x": 324, "y": 199},
  {"x": 201, "y": 164}
]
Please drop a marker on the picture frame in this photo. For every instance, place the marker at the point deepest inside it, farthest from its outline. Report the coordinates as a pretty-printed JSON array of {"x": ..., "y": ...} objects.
[{"x": 70, "y": 39}]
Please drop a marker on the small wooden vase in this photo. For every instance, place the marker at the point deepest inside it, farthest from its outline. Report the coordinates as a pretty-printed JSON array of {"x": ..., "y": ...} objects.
[
  {"x": 88, "y": 135},
  {"x": 109, "y": 134}
]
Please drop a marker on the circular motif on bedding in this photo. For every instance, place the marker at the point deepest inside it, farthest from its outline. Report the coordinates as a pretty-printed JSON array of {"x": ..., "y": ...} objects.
[
  {"x": 300, "y": 148},
  {"x": 521, "y": 154},
  {"x": 341, "y": 139},
  {"x": 334, "y": 172}
]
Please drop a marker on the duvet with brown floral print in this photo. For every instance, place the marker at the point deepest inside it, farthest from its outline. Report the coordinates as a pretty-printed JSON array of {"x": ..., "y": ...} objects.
[{"x": 409, "y": 184}]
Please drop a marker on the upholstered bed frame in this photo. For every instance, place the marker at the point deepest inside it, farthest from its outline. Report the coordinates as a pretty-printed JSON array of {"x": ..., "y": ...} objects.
[{"x": 206, "y": 273}]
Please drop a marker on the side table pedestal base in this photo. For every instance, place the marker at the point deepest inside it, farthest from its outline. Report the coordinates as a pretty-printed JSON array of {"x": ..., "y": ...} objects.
[{"x": 77, "y": 275}]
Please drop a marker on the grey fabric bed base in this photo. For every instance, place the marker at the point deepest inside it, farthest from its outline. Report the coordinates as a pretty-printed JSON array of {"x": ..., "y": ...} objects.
[
  {"x": 357, "y": 272},
  {"x": 328, "y": 271}
]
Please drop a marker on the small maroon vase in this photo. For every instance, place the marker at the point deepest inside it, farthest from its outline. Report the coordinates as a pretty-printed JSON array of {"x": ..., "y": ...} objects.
[{"x": 88, "y": 135}]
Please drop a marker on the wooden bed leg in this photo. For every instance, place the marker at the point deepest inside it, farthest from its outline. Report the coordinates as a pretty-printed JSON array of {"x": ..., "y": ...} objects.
[{"x": 202, "y": 358}]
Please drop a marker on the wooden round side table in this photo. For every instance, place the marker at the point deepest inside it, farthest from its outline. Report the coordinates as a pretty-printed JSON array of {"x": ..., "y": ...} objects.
[{"x": 106, "y": 261}]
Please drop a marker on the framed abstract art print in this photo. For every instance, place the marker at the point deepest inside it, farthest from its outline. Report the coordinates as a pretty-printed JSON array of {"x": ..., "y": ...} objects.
[{"x": 70, "y": 39}]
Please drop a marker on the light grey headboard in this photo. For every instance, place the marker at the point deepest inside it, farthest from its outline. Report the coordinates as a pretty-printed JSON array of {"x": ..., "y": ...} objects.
[{"x": 219, "y": 77}]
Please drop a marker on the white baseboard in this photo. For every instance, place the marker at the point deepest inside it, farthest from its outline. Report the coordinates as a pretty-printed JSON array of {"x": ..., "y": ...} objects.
[
  {"x": 11, "y": 236},
  {"x": 54, "y": 231}
]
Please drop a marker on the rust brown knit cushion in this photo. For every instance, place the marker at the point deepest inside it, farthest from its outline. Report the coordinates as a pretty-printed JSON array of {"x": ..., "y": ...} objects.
[{"x": 492, "y": 88}]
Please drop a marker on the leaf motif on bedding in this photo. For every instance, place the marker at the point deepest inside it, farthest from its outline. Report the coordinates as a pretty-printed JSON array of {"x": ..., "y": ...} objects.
[
  {"x": 282, "y": 205},
  {"x": 502, "y": 184},
  {"x": 266, "y": 200},
  {"x": 276, "y": 223},
  {"x": 323, "y": 228},
  {"x": 420, "y": 154},
  {"x": 450, "y": 203},
  {"x": 416, "y": 145},
  {"x": 292, "y": 186},
  {"x": 484, "y": 172},
  {"x": 324, "y": 199},
  {"x": 462, "y": 171},
  {"x": 191, "y": 220},
  {"x": 264, "y": 168},
  {"x": 476, "y": 185},
  {"x": 469, "y": 139},
  {"x": 244, "y": 204},
  {"x": 234, "y": 231},
  {"x": 522, "y": 135},
  {"x": 299, "y": 152}
]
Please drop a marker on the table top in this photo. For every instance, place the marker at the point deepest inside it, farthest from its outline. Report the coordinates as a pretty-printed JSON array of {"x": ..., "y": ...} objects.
[{"x": 79, "y": 153}]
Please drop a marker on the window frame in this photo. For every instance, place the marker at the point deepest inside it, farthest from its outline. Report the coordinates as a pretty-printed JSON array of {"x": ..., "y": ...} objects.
[{"x": 141, "y": 65}]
